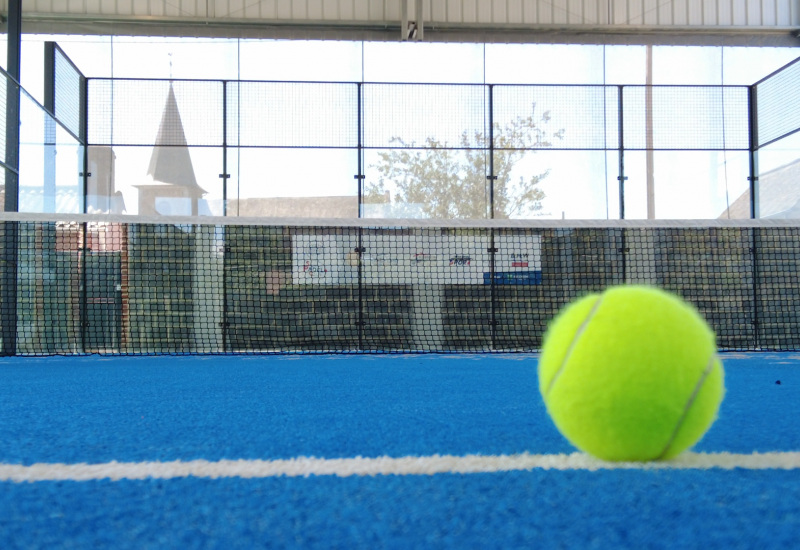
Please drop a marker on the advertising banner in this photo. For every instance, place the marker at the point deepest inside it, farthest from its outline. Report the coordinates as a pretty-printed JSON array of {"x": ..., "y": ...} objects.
[{"x": 388, "y": 258}]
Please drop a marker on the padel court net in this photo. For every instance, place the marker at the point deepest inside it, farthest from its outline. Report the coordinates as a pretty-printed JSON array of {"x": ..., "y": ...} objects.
[{"x": 130, "y": 286}]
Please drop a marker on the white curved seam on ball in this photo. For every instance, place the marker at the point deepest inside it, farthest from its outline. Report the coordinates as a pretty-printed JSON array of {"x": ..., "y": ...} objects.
[
  {"x": 689, "y": 404},
  {"x": 574, "y": 343}
]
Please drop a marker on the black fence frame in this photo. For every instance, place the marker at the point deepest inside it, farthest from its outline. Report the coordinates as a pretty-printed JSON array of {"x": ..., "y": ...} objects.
[
  {"x": 760, "y": 270},
  {"x": 622, "y": 101}
]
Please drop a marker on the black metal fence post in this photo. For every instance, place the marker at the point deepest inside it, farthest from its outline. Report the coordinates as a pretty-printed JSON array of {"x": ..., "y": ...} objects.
[
  {"x": 360, "y": 178},
  {"x": 10, "y": 252},
  {"x": 492, "y": 178},
  {"x": 752, "y": 105}
]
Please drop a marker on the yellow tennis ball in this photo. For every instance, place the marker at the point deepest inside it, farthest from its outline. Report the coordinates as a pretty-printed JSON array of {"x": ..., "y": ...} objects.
[{"x": 631, "y": 374}]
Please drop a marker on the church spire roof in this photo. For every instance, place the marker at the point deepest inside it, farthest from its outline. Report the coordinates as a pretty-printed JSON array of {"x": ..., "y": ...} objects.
[{"x": 170, "y": 161}]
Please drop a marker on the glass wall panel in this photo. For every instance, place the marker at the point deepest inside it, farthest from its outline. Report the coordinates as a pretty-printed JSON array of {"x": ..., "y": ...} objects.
[
  {"x": 745, "y": 66},
  {"x": 695, "y": 65},
  {"x": 544, "y": 64},
  {"x": 426, "y": 62},
  {"x": 779, "y": 179},
  {"x": 197, "y": 58},
  {"x": 426, "y": 183},
  {"x": 50, "y": 163},
  {"x": 687, "y": 184},
  {"x": 557, "y": 184},
  {"x": 300, "y": 60},
  {"x": 69, "y": 197},
  {"x": 444, "y": 119},
  {"x": 32, "y": 66},
  {"x": 295, "y": 182},
  {"x": 155, "y": 180},
  {"x": 625, "y": 65},
  {"x": 91, "y": 54}
]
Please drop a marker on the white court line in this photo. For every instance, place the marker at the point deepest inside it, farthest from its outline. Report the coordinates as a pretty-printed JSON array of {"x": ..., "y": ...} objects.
[{"x": 412, "y": 465}]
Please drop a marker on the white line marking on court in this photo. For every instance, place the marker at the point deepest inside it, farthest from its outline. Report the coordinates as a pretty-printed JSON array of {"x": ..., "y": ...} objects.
[{"x": 411, "y": 465}]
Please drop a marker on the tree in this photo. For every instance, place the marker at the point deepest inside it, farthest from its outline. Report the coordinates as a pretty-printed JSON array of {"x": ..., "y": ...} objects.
[{"x": 451, "y": 182}]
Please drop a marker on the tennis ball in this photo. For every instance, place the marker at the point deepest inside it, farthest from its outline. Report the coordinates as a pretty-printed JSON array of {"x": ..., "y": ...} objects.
[{"x": 631, "y": 374}]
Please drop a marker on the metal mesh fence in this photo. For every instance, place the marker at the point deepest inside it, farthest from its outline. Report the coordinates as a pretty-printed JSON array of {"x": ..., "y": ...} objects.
[
  {"x": 139, "y": 287},
  {"x": 132, "y": 112},
  {"x": 427, "y": 116},
  {"x": 292, "y": 114},
  {"x": 397, "y": 150},
  {"x": 778, "y": 101},
  {"x": 686, "y": 117},
  {"x": 303, "y": 114},
  {"x": 563, "y": 117},
  {"x": 68, "y": 94}
]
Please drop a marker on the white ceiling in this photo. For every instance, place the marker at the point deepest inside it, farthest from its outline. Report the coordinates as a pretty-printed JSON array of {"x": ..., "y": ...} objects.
[{"x": 768, "y": 22}]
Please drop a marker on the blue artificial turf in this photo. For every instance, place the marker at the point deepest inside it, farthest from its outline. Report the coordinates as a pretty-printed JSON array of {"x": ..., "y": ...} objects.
[
  {"x": 539, "y": 509},
  {"x": 96, "y": 410},
  {"x": 165, "y": 408}
]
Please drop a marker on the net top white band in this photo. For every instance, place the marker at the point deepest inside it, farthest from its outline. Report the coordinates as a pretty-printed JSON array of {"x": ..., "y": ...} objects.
[{"x": 384, "y": 223}]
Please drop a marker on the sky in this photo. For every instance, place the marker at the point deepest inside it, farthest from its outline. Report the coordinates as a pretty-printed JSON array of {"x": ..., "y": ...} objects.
[{"x": 580, "y": 184}]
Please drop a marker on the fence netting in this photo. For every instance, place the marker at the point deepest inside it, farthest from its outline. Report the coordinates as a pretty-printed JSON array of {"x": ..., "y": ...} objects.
[{"x": 145, "y": 287}]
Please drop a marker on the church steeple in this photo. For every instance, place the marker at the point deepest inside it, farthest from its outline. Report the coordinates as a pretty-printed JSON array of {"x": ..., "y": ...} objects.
[{"x": 170, "y": 162}]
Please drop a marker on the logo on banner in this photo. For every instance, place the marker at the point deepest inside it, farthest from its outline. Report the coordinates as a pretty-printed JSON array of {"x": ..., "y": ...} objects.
[
  {"x": 519, "y": 260},
  {"x": 460, "y": 260},
  {"x": 312, "y": 269}
]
